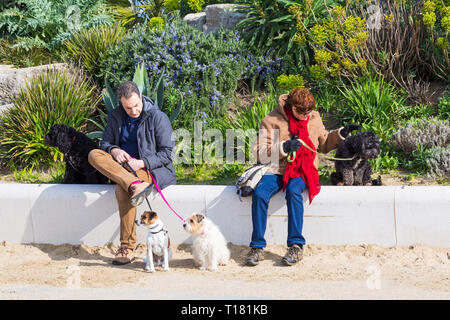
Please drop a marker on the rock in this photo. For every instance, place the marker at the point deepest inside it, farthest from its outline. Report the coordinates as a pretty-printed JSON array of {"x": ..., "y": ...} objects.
[
  {"x": 12, "y": 80},
  {"x": 215, "y": 16},
  {"x": 196, "y": 20},
  {"x": 4, "y": 107},
  {"x": 221, "y": 15}
]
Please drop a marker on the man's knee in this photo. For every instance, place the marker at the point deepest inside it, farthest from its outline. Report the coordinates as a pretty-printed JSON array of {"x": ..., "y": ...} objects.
[{"x": 94, "y": 154}]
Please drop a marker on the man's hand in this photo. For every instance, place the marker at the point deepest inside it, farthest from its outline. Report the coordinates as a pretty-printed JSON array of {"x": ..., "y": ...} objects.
[
  {"x": 120, "y": 155},
  {"x": 136, "y": 164},
  {"x": 345, "y": 131}
]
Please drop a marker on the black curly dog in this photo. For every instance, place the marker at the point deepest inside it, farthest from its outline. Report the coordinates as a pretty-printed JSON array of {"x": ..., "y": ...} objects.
[
  {"x": 360, "y": 147},
  {"x": 75, "y": 146}
]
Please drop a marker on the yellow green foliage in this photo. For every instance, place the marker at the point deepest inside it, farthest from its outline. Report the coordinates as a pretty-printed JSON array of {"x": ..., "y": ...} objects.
[
  {"x": 322, "y": 57},
  {"x": 317, "y": 72},
  {"x": 156, "y": 23},
  {"x": 196, "y": 5},
  {"x": 289, "y": 82},
  {"x": 172, "y": 5}
]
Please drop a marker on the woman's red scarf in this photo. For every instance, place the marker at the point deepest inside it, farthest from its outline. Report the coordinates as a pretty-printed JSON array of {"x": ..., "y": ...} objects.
[{"x": 303, "y": 164}]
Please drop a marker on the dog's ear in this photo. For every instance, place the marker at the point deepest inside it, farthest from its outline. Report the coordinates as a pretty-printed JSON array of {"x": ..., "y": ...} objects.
[
  {"x": 199, "y": 217},
  {"x": 152, "y": 215},
  {"x": 63, "y": 142}
]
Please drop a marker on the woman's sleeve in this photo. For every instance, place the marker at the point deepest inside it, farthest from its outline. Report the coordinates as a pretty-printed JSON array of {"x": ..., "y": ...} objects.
[{"x": 329, "y": 140}]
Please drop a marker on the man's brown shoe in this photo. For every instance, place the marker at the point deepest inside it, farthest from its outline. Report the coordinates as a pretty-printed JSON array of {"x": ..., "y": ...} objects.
[
  {"x": 123, "y": 256},
  {"x": 139, "y": 192}
]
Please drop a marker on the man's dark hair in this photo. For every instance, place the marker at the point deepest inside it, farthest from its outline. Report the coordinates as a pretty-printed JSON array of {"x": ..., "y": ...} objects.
[{"x": 126, "y": 89}]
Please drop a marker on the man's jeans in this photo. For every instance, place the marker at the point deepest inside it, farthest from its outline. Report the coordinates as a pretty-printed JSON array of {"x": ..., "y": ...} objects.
[{"x": 267, "y": 187}]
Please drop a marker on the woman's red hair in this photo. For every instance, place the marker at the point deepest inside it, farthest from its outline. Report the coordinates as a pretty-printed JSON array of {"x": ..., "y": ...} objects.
[{"x": 301, "y": 100}]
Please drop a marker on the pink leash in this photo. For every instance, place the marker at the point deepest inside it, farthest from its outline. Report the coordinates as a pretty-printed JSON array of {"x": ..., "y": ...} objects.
[
  {"x": 159, "y": 191},
  {"x": 162, "y": 196}
]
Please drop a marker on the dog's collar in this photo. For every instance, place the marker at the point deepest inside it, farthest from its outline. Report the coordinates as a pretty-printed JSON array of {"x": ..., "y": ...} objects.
[
  {"x": 155, "y": 232},
  {"x": 203, "y": 233},
  {"x": 162, "y": 229}
]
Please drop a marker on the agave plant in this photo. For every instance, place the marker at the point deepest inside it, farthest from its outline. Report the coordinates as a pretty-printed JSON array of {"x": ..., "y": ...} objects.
[
  {"x": 88, "y": 46},
  {"x": 142, "y": 81}
]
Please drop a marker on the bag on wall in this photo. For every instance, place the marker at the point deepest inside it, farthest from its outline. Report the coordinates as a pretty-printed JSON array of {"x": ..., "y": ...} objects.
[{"x": 248, "y": 181}]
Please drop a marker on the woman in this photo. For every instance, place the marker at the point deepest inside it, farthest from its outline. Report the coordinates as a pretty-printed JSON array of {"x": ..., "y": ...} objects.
[{"x": 293, "y": 118}]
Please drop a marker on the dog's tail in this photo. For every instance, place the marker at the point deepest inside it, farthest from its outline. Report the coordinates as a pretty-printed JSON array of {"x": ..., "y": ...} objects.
[{"x": 377, "y": 181}]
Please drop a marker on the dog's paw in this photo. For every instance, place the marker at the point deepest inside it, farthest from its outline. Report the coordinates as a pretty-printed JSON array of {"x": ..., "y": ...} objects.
[
  {"x": 202, "y": 268},
  {"x": 340, "y": 184},
  {"x": 213, "y": 268},
  {"x": 149, "y": 269}
]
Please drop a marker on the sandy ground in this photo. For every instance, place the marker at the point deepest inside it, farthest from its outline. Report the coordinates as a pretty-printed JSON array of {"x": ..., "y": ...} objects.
[{"x": 38, "y": 271}]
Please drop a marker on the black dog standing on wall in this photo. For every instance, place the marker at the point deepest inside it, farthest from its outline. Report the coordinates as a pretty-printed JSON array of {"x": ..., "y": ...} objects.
[
  {"x": 356, "y": 172},
  {"x": 75, "y": 146}
]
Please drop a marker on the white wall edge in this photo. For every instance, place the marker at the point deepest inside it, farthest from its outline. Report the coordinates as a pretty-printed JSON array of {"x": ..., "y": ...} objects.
[{"x": 88, "y": 214}]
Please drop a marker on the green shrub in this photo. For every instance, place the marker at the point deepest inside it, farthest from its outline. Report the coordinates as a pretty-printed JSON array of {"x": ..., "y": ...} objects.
[
  {"x": 204, "y": 68},
  {"x": 289, "y": 82},
  {"x": 426, "y": 132},
  {"x": 373, "y": 103},
  {"x": 47, "y": 23},
  {"x": 327, "y": 98},
  {"x": 251, "y": 117},
  {"x": 54, "y": 96},
  {"x": 435, "y": 16},
  {"x": 24, "y": 58},
  {"x": 282, "y": 25},
  {"x": 424, "y": 145},
  {"x": 337, "y": 43},
  {"x": 89, "y": 46},
  {"x": 438, "y": 161},
  {"x": 352, "y": 41},
  {"x": 53, "y": 174},
  {"x": 246, "y": 122},
  {"x": 444, "y": 107}
]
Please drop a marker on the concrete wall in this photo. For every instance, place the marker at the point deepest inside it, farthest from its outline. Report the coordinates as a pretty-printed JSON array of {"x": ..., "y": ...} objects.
[{"x": 88, "y": 214}]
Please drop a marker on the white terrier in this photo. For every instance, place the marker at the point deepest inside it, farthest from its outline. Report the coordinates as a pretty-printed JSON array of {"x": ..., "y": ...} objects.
[
  {"x": 209, "y": 245},
  {"x": 158, "y": 242}
]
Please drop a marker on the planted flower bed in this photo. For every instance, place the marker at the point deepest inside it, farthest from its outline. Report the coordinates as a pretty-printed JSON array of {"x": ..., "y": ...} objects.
[{"x": 385, "y": 67}]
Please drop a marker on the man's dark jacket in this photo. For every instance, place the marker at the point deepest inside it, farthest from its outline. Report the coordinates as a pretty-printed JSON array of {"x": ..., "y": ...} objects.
[{"x": 154, "y": 136}]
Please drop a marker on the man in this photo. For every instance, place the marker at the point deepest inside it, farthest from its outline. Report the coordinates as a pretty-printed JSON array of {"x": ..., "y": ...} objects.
[{"x": 137, "y": 135}]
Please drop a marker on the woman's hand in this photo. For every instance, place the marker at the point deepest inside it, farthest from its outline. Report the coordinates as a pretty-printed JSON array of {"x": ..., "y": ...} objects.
[
  {"x": 292, "y": 145},
  {"x": 345, "y": 131}
]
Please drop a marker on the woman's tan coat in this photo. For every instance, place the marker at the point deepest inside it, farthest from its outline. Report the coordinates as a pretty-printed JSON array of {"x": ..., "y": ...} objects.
[{"x": 274, "y": 131}]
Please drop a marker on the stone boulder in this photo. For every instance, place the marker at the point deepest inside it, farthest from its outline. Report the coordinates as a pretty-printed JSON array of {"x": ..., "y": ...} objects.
[
  {"x": 12, "y": 80},
  {"x": 216, "y": 16},
  {"x": 5, "y": 107},
  {"x": 197, "y": 20}
]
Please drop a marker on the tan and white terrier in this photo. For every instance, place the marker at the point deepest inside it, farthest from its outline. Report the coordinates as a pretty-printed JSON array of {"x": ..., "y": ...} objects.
[
  {"x": 158, "y": 242},
  {"x": 209, "y": 245}
]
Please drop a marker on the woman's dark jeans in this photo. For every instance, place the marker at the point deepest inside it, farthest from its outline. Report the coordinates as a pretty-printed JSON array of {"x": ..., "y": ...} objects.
[{"x": 267, "y": 187}]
